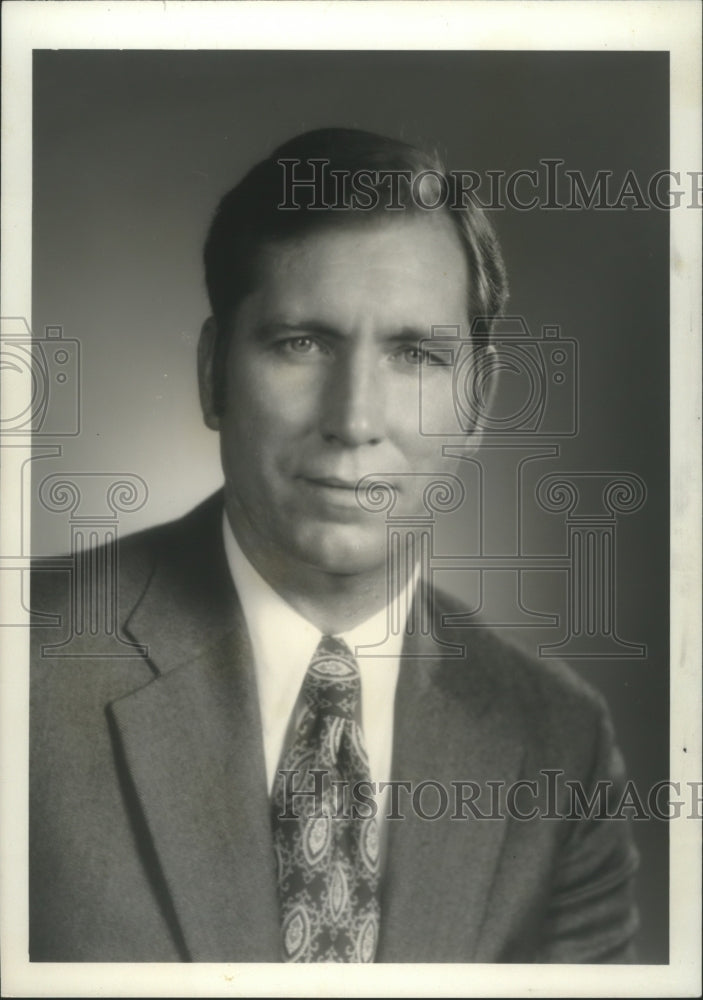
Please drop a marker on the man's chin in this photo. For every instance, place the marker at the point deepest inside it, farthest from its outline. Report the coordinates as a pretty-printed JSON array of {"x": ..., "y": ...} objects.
[{"x": 343, "y": 551}]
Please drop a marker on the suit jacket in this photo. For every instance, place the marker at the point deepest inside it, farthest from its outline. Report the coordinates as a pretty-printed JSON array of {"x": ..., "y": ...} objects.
[{"x": 150, "y": 833}]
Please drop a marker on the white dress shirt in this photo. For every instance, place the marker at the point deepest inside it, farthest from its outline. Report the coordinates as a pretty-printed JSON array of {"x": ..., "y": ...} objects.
[{"x": 283, "y": 642}]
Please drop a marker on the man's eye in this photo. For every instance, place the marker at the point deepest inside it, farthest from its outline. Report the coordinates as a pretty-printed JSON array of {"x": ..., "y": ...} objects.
[
  {"x": 414, "y": 355},
  {"x": 417, "y": 356},
  {"x": 299, "y": 345},
  {"x": 410, "y": 355}
]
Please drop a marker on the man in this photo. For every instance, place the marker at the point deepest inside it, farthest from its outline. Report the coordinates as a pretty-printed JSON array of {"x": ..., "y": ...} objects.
[{"x": 182, "y": 797}]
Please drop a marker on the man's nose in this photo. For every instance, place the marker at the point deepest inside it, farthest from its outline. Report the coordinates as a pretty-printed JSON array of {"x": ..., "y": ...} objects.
[{"x": 354, "y": 406}]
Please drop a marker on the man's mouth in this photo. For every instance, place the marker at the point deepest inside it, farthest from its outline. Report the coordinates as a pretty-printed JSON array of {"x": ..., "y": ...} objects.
[
  {"x": 333, "y": 493},
  {"x": 333, "y": 482}
]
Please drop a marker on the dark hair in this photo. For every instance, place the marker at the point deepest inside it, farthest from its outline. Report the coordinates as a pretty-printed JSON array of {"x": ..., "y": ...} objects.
[{"x": 251, "y": 216}]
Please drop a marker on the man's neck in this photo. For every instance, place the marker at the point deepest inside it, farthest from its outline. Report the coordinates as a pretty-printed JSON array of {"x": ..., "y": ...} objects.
[{"x": 333, "y": 602}]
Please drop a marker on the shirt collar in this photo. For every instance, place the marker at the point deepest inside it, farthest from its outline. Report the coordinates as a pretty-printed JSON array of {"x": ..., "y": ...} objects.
[
  {"x": 293, "y": 634},
  {"x": 283, "y": 642}
]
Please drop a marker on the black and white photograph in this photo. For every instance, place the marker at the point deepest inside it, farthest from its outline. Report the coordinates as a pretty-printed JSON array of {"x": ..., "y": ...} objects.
[{"x": 350, "y": 564}]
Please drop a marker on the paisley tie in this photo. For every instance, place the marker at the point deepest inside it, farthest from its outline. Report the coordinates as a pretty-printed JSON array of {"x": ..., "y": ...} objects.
[{"x": 327, "y": 850}]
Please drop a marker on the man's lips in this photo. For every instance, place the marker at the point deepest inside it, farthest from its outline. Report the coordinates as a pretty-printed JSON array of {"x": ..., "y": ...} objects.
[
  {"x": 333, "y": 482},
  {"x": 343, "y": 496},
  {"x": 349, "y": 482},
  {"x": 335, "y": 493}
]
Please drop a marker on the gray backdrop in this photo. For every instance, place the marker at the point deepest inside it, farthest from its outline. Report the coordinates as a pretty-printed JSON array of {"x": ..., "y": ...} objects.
[{"x": 132, "y": 151}]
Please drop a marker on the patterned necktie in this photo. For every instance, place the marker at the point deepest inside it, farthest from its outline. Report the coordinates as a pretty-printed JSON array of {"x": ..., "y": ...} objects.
[{"x": 328, "y": 857}]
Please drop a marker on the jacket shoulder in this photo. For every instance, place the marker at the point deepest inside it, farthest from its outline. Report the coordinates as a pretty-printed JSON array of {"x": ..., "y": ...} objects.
[
  {"x": 548, "y": 702},
  {"x": 128, "y": 564}
]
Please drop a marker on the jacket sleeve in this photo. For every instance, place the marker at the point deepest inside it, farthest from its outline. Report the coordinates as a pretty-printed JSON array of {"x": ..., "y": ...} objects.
[{"x": 592, "y": 916}]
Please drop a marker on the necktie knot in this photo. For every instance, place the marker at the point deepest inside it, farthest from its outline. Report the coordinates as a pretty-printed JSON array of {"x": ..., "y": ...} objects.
[{"x": 332, "y": 685}]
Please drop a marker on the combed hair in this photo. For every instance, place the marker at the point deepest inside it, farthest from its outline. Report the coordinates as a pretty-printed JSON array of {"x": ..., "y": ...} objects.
[{"x": 249, "y": 218}]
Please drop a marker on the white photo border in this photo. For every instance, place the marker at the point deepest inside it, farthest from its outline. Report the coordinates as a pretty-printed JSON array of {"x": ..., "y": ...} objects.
[{"x": 621, "y": 25}]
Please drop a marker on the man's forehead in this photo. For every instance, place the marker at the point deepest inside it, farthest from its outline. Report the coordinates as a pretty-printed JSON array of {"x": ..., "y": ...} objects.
[
  {"x": 423, "y": 249},
  {"x": 380, "y": 226}
]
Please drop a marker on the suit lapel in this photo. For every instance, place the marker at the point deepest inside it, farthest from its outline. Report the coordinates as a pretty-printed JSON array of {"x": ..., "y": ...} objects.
[
  {"x": 191, "y": 741},
  {"x": 439, "y": 871},
  {"x": 192, "y": 745}
]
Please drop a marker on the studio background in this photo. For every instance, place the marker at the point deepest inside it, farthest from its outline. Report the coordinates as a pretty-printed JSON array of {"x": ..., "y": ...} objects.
[{"x": 132, "y": 151}]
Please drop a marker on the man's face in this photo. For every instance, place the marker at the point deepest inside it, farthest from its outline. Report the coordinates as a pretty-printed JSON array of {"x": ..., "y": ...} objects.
[{"x": 323, "y": 376}]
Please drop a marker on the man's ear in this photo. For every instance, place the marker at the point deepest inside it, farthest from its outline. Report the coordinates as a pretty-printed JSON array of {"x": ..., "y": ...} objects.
[
  {"x": 483, "y": 390},
  {"x": 206, "y": 358}
]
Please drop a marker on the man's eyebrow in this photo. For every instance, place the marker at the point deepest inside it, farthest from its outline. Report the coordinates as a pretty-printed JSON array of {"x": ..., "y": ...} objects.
[
  {"x": 276, "y": 326},
  {"x": 409, "y": 335}
]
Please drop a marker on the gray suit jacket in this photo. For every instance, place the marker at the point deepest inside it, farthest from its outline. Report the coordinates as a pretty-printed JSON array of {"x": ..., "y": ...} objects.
[{"x": 150, "y": 830}]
